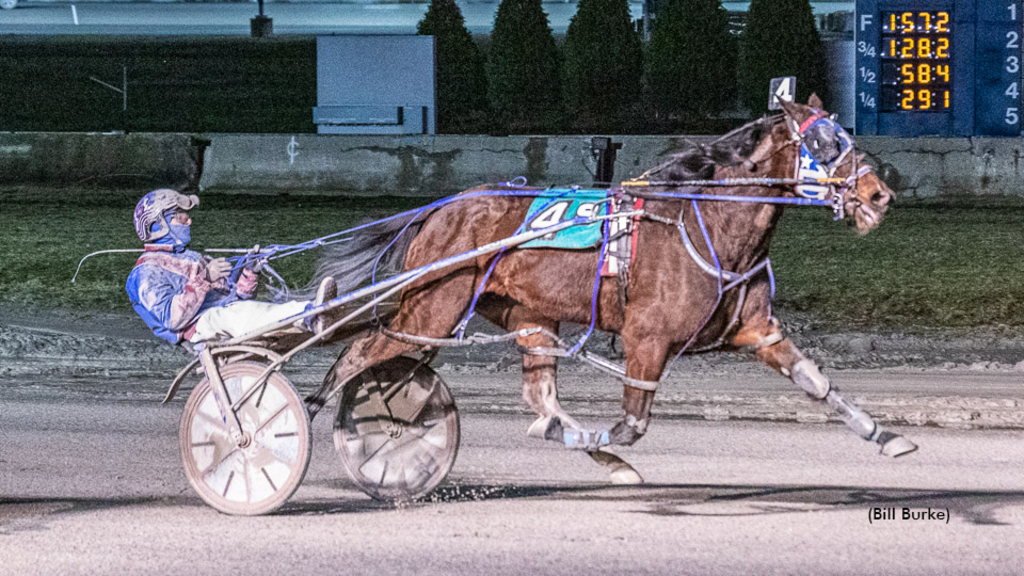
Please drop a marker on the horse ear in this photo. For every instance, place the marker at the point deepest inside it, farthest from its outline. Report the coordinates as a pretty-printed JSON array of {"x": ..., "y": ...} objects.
[
  {"x": 791, "y": 109},
  {"x": 814, "y": 101}
]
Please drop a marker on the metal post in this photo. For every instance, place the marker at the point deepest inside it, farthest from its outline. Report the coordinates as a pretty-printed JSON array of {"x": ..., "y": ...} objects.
[
  {"x": 260, "y": 26},
  {"x": 604, "y": 151},
  {"x": 647, "y": 21},
  {"x": 123, "y": 91}
]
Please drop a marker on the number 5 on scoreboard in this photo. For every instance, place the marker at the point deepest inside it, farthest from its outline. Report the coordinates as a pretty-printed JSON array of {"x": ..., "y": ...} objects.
[{"x": 1011, "y": 117}]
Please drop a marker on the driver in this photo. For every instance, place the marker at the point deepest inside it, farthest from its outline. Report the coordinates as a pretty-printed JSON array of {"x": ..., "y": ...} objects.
[{"x": 184, "y": 295}]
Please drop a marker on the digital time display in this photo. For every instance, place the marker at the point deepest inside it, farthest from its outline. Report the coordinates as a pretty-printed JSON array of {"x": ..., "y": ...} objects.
[
  {"x": 916, "y": 61},
  {"x": 946, "y": 68}
]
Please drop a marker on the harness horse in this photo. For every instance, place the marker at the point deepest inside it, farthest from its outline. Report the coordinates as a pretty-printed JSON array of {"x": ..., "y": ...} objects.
[{"x": 681, "y": 295}]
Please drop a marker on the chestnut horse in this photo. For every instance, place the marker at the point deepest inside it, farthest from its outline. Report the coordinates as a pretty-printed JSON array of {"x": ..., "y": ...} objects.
[{"x": 673, "y": 304}]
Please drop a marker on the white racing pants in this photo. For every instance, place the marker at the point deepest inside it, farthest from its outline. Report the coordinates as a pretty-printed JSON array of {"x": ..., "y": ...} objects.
[{"x": 246, "y": 316}]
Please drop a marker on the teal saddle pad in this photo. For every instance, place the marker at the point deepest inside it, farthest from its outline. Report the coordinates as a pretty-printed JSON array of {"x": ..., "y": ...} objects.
[{"x": 556, "y": 206}]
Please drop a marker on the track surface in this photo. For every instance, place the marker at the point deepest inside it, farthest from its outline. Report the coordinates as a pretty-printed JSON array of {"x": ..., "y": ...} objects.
[{"x": 91, "y": 483}]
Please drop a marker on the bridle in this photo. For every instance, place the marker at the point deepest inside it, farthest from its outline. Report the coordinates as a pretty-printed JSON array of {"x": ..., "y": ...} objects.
[{"x": 824, "y": 146}]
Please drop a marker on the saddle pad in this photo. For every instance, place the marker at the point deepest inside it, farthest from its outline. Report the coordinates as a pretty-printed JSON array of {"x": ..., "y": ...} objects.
[{"x": 557, "y": 206}]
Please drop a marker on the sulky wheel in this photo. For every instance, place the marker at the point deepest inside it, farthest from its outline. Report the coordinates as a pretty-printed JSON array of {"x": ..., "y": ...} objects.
[
  {"x": 259, "y": 475},
  {"x": 397, "y": 430}
]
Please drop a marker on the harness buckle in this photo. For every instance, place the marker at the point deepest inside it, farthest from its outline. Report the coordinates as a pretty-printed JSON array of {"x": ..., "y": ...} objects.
[{"x": 838, "y": 206}]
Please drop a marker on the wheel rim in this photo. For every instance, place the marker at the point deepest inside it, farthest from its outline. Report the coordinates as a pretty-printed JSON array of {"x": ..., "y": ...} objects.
[
  {"x": 397, "y": 435},
  {"x": 261, "y": 474}
]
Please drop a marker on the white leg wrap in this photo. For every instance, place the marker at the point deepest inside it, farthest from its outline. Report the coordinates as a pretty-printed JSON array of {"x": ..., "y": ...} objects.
[
  {"x": 807, "y": 376},
  {"x": 854, "y": 417}
]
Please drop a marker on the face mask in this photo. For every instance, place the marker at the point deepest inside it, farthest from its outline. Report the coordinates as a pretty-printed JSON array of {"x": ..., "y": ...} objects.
[{"x": 182, "y": 234}]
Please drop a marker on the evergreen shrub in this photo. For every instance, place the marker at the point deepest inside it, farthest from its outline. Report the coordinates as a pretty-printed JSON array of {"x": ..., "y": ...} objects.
[
  {"x": 523, "y": 76},
  {"x": 603, "y": 66},
  {"x": 460, "y": 80},
  {"x": 781, "y": 39},
  {"x": 691, "y": 64}
]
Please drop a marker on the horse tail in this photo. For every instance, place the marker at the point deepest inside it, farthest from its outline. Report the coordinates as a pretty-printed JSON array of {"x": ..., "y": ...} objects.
[{"x": 370, "y": 255}]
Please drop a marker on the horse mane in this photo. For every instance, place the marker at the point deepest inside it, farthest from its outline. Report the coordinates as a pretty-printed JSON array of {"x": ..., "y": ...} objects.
[{"x": 698, "y": 161}]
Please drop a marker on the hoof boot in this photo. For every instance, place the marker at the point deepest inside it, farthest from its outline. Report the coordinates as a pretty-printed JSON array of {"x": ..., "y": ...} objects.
[
  {"x": 626, "y": 476},
  {"x": 897, "y": 446}
]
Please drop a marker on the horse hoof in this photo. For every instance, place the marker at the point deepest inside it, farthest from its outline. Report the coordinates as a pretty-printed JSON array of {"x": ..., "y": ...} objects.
[
  {"x": 626, "y": 476},
  {"x": 898, "y": 446},
  {"x": 539, "y": 427},
  {"x": 622, "y": 472}
]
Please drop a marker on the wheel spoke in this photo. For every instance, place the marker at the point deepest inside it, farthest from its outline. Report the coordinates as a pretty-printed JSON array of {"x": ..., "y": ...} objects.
[
  {"x": 383, "y": 474},
  {"x": 367, "y": 459},
  {"x": 210, "y": 419},
  {"x": 227, "y": 485},
  {"x": 267, "y": 476},
  {"x": 272, "y": 418},
  {"x": 215, "y": 465}
]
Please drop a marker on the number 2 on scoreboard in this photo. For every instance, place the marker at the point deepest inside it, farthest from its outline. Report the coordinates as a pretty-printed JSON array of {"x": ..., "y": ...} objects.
[{"x": 923, "y": 97}]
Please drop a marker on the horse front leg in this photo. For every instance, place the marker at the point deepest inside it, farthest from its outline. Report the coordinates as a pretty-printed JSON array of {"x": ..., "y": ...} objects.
[
  {"x": 645, "y": 362},
  {"x": 785, "y": 358}
]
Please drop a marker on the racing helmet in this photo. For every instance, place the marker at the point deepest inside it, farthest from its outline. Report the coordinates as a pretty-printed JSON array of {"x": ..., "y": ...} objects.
[{"x": 149, "y": 212}]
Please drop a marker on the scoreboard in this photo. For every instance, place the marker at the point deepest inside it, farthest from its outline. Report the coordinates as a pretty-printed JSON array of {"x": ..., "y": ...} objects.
[{"x": 938, "y": 67}]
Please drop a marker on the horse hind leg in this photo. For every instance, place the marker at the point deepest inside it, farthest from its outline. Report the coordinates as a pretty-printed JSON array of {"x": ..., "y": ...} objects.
[
  {"x": 432, "y": 311},
  {"x": 365, "y": 352},
  {"x": 784, "y": 357},
  {"x": 540, "y": 386},
  {"x": 540, "y": 371},
  {"x": 540, "y": 392}
]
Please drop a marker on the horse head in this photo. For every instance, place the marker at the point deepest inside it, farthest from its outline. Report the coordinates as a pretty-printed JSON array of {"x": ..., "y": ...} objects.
[{"x": 827, "y": 153}]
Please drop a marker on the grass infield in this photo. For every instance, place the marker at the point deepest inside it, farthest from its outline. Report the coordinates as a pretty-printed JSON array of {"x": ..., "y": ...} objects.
[{"x": 950, "y": 263}]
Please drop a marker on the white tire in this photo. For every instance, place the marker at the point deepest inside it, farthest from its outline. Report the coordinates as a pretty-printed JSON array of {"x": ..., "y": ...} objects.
[{"x": 259, "y": 477}]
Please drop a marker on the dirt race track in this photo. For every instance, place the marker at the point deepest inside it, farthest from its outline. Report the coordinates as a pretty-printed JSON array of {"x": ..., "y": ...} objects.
[{"x": 745, "y": 476}]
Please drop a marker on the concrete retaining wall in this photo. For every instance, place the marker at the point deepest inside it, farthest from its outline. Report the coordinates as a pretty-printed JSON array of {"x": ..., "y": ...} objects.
[
  {"x": 922, "y": 167},
  {"x": 434, "y": 166},
  {"x": 94, "y": 159}
]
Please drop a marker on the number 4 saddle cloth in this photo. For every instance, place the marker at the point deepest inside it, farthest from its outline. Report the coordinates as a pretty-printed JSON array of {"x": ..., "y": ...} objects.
[{"x": 560, "y": 205}]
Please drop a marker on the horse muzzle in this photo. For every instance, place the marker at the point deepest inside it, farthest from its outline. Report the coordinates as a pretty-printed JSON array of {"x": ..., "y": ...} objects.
[{"x": 868, "y": 212}]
